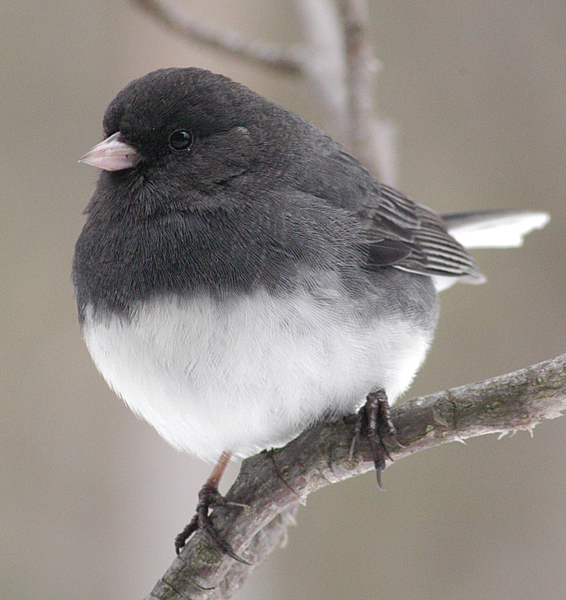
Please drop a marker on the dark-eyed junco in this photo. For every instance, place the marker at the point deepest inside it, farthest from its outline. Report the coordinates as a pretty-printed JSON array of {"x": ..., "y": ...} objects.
[{"x": 240, "y": 275}]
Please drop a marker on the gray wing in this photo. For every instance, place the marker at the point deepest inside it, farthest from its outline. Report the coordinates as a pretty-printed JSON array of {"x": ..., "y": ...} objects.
[{"x": 409, "y": 236}]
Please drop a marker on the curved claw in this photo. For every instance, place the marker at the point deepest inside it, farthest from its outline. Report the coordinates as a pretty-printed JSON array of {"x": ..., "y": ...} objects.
[
  {"x": 374, "y": 417},
  {"x": 181, "y": 538},
  {"x": 209, "y": 497}
]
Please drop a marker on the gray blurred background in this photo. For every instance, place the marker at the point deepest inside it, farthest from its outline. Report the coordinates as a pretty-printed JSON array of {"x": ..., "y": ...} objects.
[{"x": 91, "y": 498}]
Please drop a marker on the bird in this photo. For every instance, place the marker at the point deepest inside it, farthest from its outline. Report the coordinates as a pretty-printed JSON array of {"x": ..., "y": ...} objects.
[{"x": 240, "y": 275}]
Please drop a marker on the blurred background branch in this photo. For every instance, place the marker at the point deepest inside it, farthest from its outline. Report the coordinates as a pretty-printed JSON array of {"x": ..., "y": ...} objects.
[{"x": 279, "y": 58}]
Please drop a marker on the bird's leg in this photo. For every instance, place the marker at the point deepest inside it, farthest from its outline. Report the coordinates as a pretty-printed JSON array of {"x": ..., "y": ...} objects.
[
  {"x": 209, "y": 497},
  {"x": 375, "y": 418}
]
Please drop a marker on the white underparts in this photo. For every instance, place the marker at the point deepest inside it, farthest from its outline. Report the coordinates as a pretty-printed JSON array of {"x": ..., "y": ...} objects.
[{"x": 249, "y": 373}]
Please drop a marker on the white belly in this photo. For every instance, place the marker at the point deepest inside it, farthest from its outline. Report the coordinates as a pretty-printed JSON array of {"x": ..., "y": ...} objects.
[{"x": 250, "y": 373}]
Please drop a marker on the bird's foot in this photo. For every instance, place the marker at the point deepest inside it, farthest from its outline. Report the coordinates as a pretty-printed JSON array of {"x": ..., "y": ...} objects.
[
  {"x": 209, "y": 497},
  {"x": 375, "y": 418}
]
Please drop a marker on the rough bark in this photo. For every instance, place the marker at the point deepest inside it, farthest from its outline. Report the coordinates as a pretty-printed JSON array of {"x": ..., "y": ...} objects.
[{"x": 274, "y": 483}]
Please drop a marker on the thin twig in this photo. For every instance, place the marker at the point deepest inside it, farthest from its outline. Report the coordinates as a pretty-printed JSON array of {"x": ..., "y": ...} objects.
[
  {"x": 325, "y": 67},
  {"x": 361, "y": 67},
  {"x": 284, "y": 60},
  {"x": 273, "y": 483}
]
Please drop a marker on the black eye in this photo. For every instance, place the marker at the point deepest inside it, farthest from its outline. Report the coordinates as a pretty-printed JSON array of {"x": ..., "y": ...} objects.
[{"x": 181, "y": 139}]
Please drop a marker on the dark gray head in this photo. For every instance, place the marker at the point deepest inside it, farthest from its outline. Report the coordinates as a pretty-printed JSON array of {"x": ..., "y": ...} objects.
[{"x": 190, "y": 129}]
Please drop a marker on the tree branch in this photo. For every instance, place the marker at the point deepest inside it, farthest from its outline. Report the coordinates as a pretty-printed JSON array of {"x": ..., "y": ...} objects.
[
  {"x": 325, "y": 66},
  {"x": 374, "y": 141},
  {"x": 361, "y": 66},
  {"x": 285, "y": 60},
  {"x": 273, "y": 483}
]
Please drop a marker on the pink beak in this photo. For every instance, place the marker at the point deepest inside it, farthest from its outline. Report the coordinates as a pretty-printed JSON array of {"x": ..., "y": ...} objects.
[{"x": 112, "y": 154}]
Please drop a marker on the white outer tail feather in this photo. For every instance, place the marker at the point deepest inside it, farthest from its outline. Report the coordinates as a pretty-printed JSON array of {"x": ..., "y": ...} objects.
[
  {"x": 490, "y": 229},
  {"x": 494, "y": 229}
]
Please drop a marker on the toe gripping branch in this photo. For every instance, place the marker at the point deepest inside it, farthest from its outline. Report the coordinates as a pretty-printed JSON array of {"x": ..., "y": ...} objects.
[
  {"x": 208, "y": 498},
  {"x": 375, "y": 419}
]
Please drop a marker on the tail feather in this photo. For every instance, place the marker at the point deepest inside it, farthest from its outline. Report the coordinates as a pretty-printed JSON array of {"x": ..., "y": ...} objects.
[
  {"x": 493, "y": 228},
  {"x": 489, "y": 229}
]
